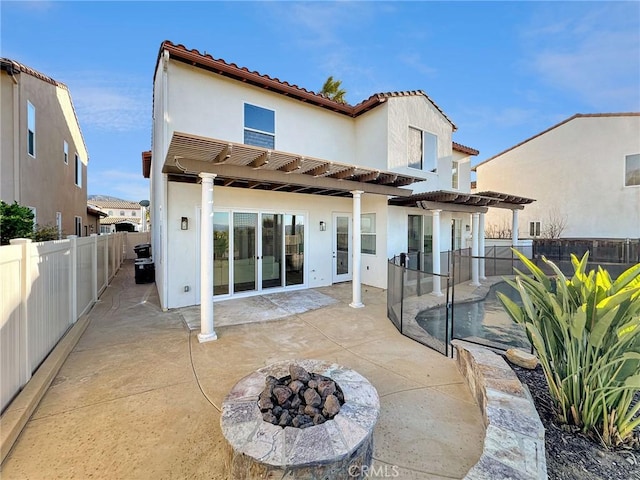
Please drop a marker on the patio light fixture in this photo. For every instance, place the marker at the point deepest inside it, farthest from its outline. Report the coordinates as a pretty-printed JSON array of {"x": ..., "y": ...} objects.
[
  {"x": 184, "y": 223},
  {"x": 323, "y": 226}
]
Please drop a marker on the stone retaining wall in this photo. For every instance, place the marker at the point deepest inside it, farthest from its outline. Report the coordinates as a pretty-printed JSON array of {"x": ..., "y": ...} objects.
[{"x": 514, "y": 439}]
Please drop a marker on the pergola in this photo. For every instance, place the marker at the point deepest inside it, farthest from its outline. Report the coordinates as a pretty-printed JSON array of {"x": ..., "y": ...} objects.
[
  {"x": 192, "y": 158},
  {"x": 474, "y": 203}
]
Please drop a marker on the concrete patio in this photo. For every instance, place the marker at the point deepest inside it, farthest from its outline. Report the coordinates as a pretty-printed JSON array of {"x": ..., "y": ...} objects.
[{"x": 139, "y": 397}]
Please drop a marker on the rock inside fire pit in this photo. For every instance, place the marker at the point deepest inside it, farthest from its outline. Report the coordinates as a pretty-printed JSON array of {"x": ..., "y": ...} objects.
[{"x": 301, "y": 399}]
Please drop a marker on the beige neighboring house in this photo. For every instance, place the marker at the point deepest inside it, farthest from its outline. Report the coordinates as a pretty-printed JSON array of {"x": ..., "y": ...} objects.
[
  {"x": 122, "y": 216},
  {"x": 43, "y": 156},
  {"x": 583, "y": 172}
]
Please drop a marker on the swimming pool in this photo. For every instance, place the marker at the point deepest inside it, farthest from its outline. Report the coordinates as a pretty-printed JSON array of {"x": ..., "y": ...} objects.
[{"x": 483, "y": 321}]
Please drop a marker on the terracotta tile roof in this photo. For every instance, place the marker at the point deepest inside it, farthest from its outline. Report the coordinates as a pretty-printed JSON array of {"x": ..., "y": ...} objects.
[
  {"x": 116, "y": 220},
  {"x": 577, "y": 115},
  {"x": 113, "y": 204},
  {"x": 231, "y": 70},
  {"x": 13, "y": 66},
  {"x": 464, "y": 149}
]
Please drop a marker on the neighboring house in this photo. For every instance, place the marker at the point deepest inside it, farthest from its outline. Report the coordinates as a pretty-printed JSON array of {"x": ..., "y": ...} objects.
[
  {"x": 122, "y": 216},
  {"x": 258, "y": 185},
  {"x": 43, "y": 157},
  {"x": 94, "y": 216},
  {"x": 583, "y": 172}
]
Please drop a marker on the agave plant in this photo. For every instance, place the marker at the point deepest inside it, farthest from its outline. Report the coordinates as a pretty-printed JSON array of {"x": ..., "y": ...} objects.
[{"x": 586, "y": 331}]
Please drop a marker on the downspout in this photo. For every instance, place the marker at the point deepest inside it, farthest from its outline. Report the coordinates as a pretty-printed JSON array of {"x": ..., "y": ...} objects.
[
  {"x": 165, "y": 189},
  {"x": 16, "y": 135}
]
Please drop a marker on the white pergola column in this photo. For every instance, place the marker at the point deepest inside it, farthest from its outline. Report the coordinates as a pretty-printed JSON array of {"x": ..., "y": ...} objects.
[
  {"x": 207, "y": 333},
  {"x": 475, "y": 243},
  {"x": 514, "y": 228},
  {"x": 435, "y": 227},
  {"x": 357, "y": 251},
  {"x": 481, "y": 247}
]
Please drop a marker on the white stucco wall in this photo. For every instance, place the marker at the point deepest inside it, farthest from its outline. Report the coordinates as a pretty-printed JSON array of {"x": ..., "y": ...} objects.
[
  {"x": 418, "y": 112},
  {"x": 575, "y": 170},
  {"x": 183, "y": 262},
  {"x": 211, "y": 105}
]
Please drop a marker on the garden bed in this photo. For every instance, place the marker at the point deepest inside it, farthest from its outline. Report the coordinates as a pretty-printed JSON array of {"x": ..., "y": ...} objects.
[{"x": 570, "y": 455}]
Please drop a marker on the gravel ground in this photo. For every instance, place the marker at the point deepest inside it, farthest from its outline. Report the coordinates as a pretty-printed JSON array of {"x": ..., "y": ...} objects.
[{"x": 571, "y": 455}]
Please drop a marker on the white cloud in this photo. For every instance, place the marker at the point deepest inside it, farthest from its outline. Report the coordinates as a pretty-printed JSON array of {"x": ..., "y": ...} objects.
[
  {"x": 109, "y": 102},
  {"x": 594, "y": 55}
]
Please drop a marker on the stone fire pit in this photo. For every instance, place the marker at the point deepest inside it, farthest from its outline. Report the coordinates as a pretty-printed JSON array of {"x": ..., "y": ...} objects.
[{"x": 338, "y": 448}]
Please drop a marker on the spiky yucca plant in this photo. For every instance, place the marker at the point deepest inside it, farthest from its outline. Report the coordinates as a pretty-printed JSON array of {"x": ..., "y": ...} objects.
[{"x": 586, "y": 331}]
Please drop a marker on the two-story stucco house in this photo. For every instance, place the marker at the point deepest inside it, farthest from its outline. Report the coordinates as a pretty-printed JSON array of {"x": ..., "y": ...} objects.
[
  {"x": 583, "y": 172},
  {"x": 122, "y": 216},
  {"x": 43, "y": 157},
  {"x": 258, "y": 185}
]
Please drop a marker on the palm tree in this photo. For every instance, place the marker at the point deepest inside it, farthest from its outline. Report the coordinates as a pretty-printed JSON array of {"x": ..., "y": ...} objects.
[{"x": 331, "y": 89}]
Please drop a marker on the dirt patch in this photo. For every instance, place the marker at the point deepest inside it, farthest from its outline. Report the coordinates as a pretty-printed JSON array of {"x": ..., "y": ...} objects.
[{"x": 571, "y": 455}]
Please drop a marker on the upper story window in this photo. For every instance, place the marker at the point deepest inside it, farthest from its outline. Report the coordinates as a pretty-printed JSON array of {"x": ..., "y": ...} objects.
[
  {"x": 66, "y": 153},
  {"x": 78, "y": 171},
  {"x": 632, "y": 170},
  {"x": 31, "y": 129},
  {"x": 259, "y": 126},
  {"x": 110, "y": 212},
  {"x": 423, "y": 150},
  {"x": 455, "y": 175},
  {"x": 133, "y": 213},
  {"x": 122, "y": 213}
]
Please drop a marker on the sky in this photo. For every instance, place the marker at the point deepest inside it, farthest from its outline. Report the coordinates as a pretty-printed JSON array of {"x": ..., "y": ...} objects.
[{"x": 501, "y": 71}]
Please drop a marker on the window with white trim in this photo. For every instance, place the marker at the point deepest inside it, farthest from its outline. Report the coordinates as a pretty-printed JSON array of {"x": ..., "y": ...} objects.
[
  {"x": 259, "y": 126},
  {"x": 455, "y": 175},
  {"x": 368, "y": 233},
  {"x": 422, "y": 150},
  {"x": 31, "y": 129},
  {"x": 66, "y": 152},
  {"x": 79, "y": 226},
  {"x": 632, "y": 170},
  {"x": 78, "y": 171},
  {"x": 534, "y": 229}
]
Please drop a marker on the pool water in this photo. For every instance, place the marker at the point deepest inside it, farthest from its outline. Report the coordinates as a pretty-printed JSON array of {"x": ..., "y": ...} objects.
[{"x": 483, "y": 321}]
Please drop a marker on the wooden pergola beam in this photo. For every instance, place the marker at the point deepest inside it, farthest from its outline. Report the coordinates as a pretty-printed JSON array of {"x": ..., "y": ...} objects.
[
  {"x": 224, "y": 155},
  {"x": 261, "y": 160}
]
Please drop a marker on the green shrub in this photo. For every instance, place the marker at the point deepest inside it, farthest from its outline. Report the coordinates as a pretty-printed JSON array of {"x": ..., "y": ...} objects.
[
  {"x": 44, "y": 233},
  {"x": 16, "y": 221},
  {"x": 586, "y": 331}
]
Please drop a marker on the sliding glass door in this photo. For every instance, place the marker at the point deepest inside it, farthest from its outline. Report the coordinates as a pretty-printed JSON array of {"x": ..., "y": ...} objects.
[
  {"x": 271, "y": 260},
  {"x": 257, "y": 251},
  {"x": 244, "y": 251}
]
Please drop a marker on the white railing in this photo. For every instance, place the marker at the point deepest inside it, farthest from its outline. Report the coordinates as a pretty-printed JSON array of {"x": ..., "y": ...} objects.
[{"x": 44, "y": 288}]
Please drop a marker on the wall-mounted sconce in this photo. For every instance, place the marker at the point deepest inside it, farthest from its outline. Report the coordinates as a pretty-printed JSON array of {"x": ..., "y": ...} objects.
[
  {"x": 184, "y": 223},
  {"x": 467, "y": 228},
  {"x": 323, "y": 226}
]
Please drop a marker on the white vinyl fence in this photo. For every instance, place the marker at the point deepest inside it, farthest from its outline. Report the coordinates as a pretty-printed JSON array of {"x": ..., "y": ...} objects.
[{"x": 44, "y": 288}]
